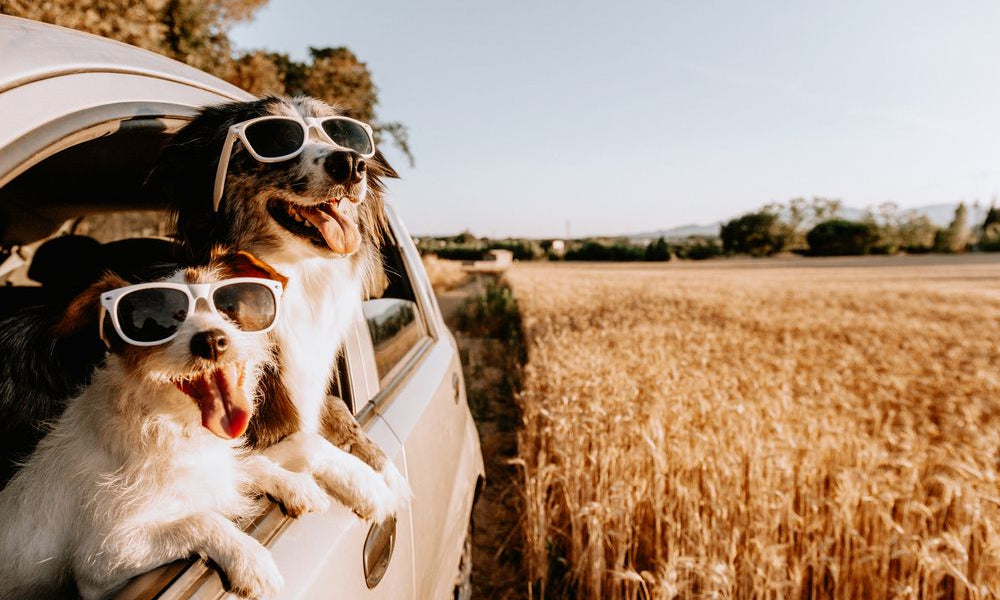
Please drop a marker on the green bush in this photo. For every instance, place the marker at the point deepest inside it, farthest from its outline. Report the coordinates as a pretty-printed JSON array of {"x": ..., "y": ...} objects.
[
  {"x": 698, "y": 248},
  {"x": 493, "y": 314},
  {"x": 756, "y": 234},
  {"x": 657, "y": 251},
  {"x": 460, "y": 253},
  {"x": 838, "y": 237},
  {"x": 990, "y": 240},
  {"x": 592, "y": 250}
]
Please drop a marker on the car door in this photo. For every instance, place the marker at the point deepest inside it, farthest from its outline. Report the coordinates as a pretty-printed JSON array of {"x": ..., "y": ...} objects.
[{"x": 422, "y": 399}]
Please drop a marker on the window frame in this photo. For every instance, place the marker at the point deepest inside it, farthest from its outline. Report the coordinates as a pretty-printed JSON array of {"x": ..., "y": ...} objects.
[{"x": 387, "y": 390}]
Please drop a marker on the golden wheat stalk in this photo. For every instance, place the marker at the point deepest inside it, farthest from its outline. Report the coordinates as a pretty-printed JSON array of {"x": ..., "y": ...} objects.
[{"x": 726, "y": 431}]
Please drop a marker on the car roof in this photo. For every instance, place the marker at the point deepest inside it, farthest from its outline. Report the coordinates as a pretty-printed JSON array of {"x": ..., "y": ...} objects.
[
  {"x": 33, "y": 51},
  {"x": 83, "y": 120}
]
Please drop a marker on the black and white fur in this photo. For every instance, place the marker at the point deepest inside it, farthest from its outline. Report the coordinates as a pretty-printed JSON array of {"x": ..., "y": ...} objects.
[
  {"x": 129, "y": 479},
  {"x": 324, "y": 287}
]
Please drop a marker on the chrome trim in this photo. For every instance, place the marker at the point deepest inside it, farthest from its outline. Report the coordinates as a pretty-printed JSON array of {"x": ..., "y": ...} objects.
[
  {"x": 415, "y": 273},
  {"x": 182, "y": 580},
  {"x": 390, "y": 391},
  {"x": 378, "y": 549}
]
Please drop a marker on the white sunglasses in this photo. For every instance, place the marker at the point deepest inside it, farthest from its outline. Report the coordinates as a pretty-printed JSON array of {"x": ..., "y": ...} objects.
[
  {"x": 275, "y": 138},
  {"x": 148, "y": 314}
]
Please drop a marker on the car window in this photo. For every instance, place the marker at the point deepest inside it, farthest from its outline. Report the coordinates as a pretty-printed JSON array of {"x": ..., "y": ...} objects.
[
  {"x": 122, "y": 224},
  {"x": 395, "y": 321}
]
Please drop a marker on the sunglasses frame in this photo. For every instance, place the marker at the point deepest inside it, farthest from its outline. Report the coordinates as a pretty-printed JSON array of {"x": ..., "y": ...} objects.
[
  {"x": 194, "y": 292},
  {"x": 238, "y": 132}
]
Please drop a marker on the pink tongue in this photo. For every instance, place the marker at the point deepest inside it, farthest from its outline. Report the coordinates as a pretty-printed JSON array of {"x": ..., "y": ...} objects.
[
  {"x": 219, "y": 394},
  {"x": 341, "y": 235}
]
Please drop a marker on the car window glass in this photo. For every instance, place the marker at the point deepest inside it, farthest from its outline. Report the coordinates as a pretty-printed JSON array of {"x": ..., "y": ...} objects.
[
  {"x": 394, "y": 320},
  {"x": 118, "y": 225}
]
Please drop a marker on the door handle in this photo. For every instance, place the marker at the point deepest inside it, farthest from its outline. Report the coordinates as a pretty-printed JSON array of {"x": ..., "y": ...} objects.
[
  {"x": 378, "y": 550},
  {"x": 456, "y": 386}
]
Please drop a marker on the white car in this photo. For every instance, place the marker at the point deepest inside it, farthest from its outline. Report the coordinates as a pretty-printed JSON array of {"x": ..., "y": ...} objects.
[{"x": 82, "y": 120}]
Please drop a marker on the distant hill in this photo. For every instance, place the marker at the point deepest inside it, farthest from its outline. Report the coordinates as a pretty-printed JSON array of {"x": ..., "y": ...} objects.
[{"x": 938, "y": 214}]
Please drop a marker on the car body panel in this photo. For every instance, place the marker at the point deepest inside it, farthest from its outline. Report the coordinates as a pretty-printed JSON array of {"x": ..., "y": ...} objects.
[
  {"x": 333, "y": 564},
  {"x": 44, "y": 51},
  {"x": 430, "y": 416}
]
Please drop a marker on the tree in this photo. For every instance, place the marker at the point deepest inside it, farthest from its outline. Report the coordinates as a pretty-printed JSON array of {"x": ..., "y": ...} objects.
[
  {"x": 956, "y": 237},
  {"x": 466, "y": 238},
  {"x": 825, "y": 209},
  {"x": 916, "y": 233},
  {"x": 992, "y": 216},
  {"x": 989, "y": 239},
  {"x": 293, "y": 73},
  {"x": 796, "y": 216},
  {"x": 657, "y": 251},
  {"x": 839, "y": 237},
  {"x": 757, "y": 234},
  {"x": 886, "y": 218},
  {"x": 337, "y": 76},
  {"x": 257, "y": 73}
]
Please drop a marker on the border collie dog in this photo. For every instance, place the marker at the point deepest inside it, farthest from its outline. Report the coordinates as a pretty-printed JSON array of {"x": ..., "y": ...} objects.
[
  {"x": 300, "y": 186},
  {"x": 145, "y": 465}
]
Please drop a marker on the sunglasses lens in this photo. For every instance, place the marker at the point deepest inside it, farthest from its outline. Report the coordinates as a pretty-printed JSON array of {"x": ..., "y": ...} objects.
[
  {"x": 273, "y": 138},
  {"x": 152, "y": 314},
  {"x": 349, "y": 135},
  {"x": 250, "y": 306}
]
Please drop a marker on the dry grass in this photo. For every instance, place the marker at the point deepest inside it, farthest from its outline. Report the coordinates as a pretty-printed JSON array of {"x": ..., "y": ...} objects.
[
  {"x": 443, "y": 274},
  {"x": 798, "y": 429}
]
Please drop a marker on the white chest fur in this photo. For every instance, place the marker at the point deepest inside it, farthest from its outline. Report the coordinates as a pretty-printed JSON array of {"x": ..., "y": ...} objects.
[{"x": 320, "y": 302}]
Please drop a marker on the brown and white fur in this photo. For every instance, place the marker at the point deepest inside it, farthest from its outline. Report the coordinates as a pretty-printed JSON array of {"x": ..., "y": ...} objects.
[
  {"x": 262, "y": 211},
  {"x": 128, "y": 478}
]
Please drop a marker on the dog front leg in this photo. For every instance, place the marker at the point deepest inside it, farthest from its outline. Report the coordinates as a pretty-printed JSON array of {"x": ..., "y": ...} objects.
[
  {"x": 344, "y": 475},
  {"x": 343, "y": 431},
  {"x": 245, "y": 563},
  {"x": 297, "y": 492}
]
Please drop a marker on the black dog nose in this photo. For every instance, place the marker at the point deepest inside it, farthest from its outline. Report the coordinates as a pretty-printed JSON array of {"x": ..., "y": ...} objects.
[
  {"x": 345, "y": 167},
  {"x": 209, "y": 344}
]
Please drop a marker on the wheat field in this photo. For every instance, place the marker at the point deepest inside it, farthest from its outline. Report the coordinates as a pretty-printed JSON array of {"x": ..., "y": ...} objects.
[{"x": 761, "y": 429}]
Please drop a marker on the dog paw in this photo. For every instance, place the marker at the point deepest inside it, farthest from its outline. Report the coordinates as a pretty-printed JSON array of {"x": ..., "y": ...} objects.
[
  {"x": 252, "y": 573},
  {"x": 299, "y": 494},
  {"x": 399, "y": 488},
  {"x": 384, "y": 494},
  {"x": 358, "y": 486}
]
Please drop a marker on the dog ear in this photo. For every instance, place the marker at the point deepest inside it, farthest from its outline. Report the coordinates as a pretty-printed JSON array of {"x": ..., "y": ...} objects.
[
  {"x": 184, "y": 174},
  {"x": 382, "y": 166},
  {"x": 82, "y": 312},
  {"x": 244, "y": 264}
]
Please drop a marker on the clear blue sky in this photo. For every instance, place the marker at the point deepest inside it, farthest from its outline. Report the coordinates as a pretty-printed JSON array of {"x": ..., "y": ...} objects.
[{"x": 631, "y": 116}]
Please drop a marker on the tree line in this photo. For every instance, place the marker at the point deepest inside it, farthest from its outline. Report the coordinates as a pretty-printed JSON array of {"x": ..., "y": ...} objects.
[
  {"x": 811, "y": 228},
  {"x": 466, "y": 246},
  {"x": 815, "y": 228}
]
